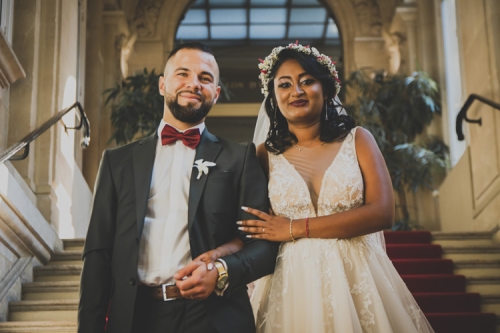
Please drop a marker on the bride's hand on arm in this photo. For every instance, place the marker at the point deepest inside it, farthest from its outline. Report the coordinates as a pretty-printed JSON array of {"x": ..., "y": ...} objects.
[{"x": 268, "y": 227}]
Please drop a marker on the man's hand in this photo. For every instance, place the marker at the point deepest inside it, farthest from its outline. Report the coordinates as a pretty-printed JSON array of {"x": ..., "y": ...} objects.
[{"x": 195, "y": 281}]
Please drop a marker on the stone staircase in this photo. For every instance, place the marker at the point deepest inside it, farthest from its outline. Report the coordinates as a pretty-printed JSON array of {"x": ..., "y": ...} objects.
[
  {"x": 50, "y": 303},
  {"x": 476, "y": 256}
]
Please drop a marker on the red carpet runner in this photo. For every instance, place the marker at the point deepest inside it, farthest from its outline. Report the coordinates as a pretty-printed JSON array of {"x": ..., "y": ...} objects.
[{"x": 440, "y": 294}]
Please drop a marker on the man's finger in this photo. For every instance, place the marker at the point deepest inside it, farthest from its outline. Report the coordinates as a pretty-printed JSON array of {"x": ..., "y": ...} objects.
[
  {"x": 188, "y": 269},
  {"x": 187, "y": 284}
]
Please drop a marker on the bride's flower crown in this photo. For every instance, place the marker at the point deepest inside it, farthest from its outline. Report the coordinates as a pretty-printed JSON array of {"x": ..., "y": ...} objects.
[{"x": 268, "y": 63}]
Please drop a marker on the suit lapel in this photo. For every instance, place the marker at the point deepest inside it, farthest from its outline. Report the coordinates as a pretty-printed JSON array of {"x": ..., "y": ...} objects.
[
  {"x": 208, "y": 149},
  {"x": 143, "y": 159}
]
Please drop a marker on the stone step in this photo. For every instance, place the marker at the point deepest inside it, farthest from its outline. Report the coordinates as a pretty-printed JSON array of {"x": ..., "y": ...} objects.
[
  {"x": 51, "y": 290},
  {"x": 469, "y": 238},
  {"x": 75, "y": 244},
  {"x": 477, "y": 267},
  {"x": 57, "y": 273},
  {"x": 490, "y": 303},
  {"x": 73, "y": 257},
  {"x": 51, "y": 310},
  {"x": 483, "y": 284},
  {"x": 38, "y": 326},
  {"x": 484, "y": 252}
]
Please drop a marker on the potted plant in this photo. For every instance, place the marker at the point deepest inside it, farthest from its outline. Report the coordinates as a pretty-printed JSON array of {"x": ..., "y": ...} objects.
[{"x": 397, "y": 110}]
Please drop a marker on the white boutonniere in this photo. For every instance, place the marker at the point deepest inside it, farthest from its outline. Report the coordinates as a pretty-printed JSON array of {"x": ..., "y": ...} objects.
[{"x": 202, "y": 167}]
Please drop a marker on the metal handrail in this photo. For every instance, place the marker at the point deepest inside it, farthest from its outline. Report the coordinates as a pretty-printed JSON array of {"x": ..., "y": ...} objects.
[
  {"x": 24, "y": 142},
  {"x": 462, "y": 115}
]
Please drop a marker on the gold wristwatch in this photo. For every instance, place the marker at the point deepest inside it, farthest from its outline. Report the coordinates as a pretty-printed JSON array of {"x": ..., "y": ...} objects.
[{"x": 223, "y": 276}]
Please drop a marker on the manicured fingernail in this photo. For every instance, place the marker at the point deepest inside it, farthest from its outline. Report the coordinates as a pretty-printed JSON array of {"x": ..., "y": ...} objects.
[
  {"x": 244, "y": 208},
  {"x": 239, "y": 222},
  {"x": 241, "y": 228}
]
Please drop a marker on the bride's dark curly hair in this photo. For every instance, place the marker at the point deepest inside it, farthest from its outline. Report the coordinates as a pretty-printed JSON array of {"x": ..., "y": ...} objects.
[{"x": 279, "y": 138}]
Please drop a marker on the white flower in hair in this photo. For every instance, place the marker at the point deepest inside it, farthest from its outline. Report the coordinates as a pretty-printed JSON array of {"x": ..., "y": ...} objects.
[{"x": 268, "y": 63}]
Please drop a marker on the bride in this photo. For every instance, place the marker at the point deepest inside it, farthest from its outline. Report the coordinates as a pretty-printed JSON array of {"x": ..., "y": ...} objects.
[{"x": 331, "y": 196}]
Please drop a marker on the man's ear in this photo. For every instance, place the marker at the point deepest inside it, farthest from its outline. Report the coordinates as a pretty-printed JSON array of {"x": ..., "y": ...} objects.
[
  {"x": 161, "y": 85},
  {"x": 217, "y": 91}
]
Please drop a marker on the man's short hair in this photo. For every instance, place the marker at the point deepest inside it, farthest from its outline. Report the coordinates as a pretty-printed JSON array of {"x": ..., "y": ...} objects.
[{"x": 191, "y": 46}]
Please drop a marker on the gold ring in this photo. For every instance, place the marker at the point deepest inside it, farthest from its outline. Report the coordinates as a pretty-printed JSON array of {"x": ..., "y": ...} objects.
[{"x": 263, "y": 229}]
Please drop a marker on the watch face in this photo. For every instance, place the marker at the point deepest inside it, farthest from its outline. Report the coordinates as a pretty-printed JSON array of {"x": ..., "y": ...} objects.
[{"x": 222, "y": 282}]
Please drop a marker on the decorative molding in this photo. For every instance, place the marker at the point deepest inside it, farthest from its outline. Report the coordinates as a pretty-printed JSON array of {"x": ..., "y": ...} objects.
[
  {"x": 10, "y": 68},
  {"x": 368, "y": 12},
  {"x": 111, "y": 5},
  {"x": 146, "y": 16},
  {"x": 13, "y": 275},
  {"x": 10, "y": 284}
]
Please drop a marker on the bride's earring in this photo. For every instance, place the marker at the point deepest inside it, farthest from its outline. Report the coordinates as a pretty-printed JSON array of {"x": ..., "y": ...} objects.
[
  {"x": 275, "y": 120},
  {"x": 326, "y": 111}
]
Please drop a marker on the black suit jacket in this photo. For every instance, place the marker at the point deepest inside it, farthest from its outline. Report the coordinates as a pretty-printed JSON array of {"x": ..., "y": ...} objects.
[{"x": 109, "y": 276}]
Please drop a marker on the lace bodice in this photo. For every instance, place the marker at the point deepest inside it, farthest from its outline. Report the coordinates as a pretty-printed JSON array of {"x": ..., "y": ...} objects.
[{"x": 341, "y": 187}]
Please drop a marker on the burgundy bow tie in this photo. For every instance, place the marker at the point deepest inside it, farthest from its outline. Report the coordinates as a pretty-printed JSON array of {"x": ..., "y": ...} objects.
[{"x": 190, "y": 138}]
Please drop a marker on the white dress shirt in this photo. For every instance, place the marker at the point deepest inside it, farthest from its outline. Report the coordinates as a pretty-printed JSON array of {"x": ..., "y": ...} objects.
[{"x": 164, "y": 246}]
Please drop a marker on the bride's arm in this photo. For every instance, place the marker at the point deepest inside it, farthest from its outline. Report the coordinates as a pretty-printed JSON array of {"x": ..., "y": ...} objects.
[{"x": 376, "y": 214}]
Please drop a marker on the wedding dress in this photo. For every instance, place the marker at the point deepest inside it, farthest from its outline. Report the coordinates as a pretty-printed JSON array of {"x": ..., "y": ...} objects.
[{"x": 329, "y": 285}]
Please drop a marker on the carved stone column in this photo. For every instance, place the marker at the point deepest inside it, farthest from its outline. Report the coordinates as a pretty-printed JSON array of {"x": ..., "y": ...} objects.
[
  {"x": 46, "y": 105},
  {"x": 22, "y": 114},
  {"x": 94, "y": 77},
  {"x": 408, "y": 13},
  {"x": 115, "y": 30}
]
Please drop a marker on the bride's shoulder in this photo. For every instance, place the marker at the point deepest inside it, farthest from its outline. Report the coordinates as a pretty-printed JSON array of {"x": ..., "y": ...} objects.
[{"x": 362, "y": 134}]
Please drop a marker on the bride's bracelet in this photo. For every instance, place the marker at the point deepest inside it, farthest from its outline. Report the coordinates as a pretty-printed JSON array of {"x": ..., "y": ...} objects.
[{"x": 291, "y": 231}]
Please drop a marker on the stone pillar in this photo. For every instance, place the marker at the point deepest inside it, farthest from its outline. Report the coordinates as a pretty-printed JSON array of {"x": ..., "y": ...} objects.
[
  {"x": 94, "y": 73},
  {"x": 22, "y": 114},
  {"x": 408, "y": 13},
  {"x": 46, "y": 104}
]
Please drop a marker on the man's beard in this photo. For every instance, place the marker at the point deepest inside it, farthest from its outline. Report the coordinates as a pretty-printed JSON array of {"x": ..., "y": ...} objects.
[{"x": 188, "y": 113}]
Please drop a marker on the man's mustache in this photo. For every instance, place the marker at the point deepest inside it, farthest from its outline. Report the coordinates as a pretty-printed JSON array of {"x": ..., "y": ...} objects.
[{"x": 197, "y": 93}]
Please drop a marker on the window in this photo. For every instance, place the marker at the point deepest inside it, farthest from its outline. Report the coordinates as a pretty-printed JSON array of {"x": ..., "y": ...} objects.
[
  {"x": 261, "y": 20},
  {"x": 6, "y": 13}
]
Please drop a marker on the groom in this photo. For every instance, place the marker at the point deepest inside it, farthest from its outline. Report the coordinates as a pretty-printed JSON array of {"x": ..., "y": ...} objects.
[{"x": 155, "y": 210}]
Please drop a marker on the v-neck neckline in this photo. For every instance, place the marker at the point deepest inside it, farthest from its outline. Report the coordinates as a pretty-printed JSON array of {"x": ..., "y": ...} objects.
[{"x": 304, "y": 184}]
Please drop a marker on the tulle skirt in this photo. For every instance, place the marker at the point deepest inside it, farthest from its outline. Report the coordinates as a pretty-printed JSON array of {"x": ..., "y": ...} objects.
[{"x": 335, "y": 286}]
